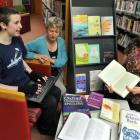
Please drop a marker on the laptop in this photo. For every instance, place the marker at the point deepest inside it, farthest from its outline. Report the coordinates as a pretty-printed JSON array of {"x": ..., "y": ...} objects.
[{"x": 37, "y": 98}]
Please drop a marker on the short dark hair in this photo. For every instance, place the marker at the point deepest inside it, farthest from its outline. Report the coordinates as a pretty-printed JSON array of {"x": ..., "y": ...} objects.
[{"x": 5, "y": 13}]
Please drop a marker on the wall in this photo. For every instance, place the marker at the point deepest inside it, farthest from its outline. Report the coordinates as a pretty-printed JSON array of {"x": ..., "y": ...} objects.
[{"x": 17, "y": 2}]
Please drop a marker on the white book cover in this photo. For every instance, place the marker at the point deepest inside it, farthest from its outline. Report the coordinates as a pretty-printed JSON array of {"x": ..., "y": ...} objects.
[{"x": 129, "y": 132}]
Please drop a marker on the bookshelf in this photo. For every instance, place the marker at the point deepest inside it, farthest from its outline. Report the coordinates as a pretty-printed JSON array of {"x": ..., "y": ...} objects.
[
  {"x": 80, "y": 74},
  {"x": 53, "y": 8},
  {"x": 128, "y": 22}
]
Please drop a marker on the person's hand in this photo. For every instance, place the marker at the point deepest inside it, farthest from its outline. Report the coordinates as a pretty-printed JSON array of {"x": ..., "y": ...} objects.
[
  {"x": 42, "y": 58},
  {"x": 31, "y": 88},
  {"x": 135, "y": 90},
  {"x": 109, "y": 87},
  {"x": 38, "y": 77}
]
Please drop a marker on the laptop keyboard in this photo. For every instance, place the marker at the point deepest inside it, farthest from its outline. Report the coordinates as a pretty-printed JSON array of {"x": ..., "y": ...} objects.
[{"x": 45, "y": 88}]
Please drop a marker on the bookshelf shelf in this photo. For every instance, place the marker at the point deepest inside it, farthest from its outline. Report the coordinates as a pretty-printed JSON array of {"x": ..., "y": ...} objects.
[
  {"x": 128, "y": 21},
  {"x": 87, "y": 37},
  {"x": 133, "y": 15},
  {"x": 90, "y": 53}
]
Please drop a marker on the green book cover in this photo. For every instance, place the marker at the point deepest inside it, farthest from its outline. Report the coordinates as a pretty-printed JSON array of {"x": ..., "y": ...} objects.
[
  {"x": 93, "y": 53},
  {"x": 81, "y": 52}
]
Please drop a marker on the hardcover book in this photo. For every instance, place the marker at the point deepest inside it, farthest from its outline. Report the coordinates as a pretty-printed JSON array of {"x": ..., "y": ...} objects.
[
  {"x": 107, "y": 25},
  {"x": 81, "y": 53},
  {"x": 94, "y": 26},
  {"x": 80, "y": 127},
  {"x": 74, "y": 103},
  {"x": 95, "y": 82},
  {"x": 80, "y": 83},
  {"x": 108, "y": 52},
  {"x": 110, "y": 110},
  {"x": 115, "y": 74},
  {"x": 95, "y": 100},
  {"x": 80, "y": 25},
  {"x": 93, "y": 53}
]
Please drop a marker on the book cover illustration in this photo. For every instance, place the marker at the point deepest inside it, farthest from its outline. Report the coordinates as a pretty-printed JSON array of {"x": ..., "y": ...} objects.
[
  {"x": 81, "y": 52},
  {"x": 108, "y": 52},
  {"x": 80, "y": 83},
  {"x": 93, "y": 53},
  {"x": 130, "y": 117},
  {"x": 110, "y": 110},
  {"x": 74, "y": 103},
  {"x": 94, "y": 26},
  {"x": 95, "y": 82},
  {"x": 129, "y": 132},
  {"x": 107, "y": 25},
  {"x": 80, "y": 25},
  {"x": 95, "y": 100}
]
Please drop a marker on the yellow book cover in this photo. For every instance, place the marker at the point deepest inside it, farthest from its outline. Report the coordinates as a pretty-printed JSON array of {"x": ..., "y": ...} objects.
[
  {"x": 110, "y": 110},
  {"x": 94, "y": 26},
  {"x": 81, "y": 52}
]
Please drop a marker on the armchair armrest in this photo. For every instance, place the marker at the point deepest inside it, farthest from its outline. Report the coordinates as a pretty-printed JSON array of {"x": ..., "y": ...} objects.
[
  {"x": 13, "y": 113},
  {"x": 17, "y": 100},
  {"x": 36, "y": 65}
]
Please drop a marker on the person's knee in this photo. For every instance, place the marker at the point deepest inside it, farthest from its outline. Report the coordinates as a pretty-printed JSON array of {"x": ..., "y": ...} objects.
[
  {"x": 56, "y": 92},
  {"x": 49, "y": 102}
]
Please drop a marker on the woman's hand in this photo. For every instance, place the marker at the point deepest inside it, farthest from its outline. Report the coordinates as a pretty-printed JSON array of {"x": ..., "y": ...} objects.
[
  {"x": 109, "y": 87},
  {"x": 135, "y": 90},
  {"x": 42, "y": 58}
]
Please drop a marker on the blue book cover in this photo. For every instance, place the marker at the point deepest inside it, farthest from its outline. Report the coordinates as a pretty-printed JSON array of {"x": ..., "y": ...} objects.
[
  {"x": 80, "y": 25},
  {"x": 80, "y": 83},
  {"x": 74, "y": 103}
]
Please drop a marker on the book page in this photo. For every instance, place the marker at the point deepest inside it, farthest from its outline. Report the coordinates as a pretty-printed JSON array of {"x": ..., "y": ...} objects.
[
  {"x": 97, "y": 130},
  {"x": 75, "y": 127},
  {"x": 128, "y": 79},
  {"x": 112, "y": 72}
]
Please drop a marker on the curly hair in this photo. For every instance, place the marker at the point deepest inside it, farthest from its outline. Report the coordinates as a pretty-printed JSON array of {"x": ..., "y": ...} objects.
[{"x": 54, "y": 22}]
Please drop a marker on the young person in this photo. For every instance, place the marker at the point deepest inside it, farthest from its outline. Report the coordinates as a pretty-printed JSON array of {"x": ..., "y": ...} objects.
[
  {"x": 16, "y": 75},
  {"x": 131, "y": 62},
  {"x": 50, "y": 47}
]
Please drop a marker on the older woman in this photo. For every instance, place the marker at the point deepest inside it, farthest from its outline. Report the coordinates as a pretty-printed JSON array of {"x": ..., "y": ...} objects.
[{"x": 50, "y": 47}]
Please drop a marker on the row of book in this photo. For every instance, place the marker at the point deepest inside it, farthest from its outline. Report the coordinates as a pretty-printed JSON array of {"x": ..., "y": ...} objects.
[
  {"x": 52, "y": 7},
  {"x": 123, "y": 39},
  {"x": 81, "y": 82},
  {"x": 84, "y": 25},
  {"x": 82, "y": 103},
  {"x": 77, "y": 111},
  {"x": 93, "y": 54},
  {"x": 128, "y": 24},
  {"x": 128, "y": 6}
]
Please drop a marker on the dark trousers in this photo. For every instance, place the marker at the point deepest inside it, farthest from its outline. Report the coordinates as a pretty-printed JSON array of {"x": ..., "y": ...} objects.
[{"x": 49, "y": 106}]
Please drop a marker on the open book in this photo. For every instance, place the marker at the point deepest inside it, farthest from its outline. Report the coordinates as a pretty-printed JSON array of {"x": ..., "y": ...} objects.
[
  {"x": 80, "y": 127},
  {"x": 116, "y": 75}
]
